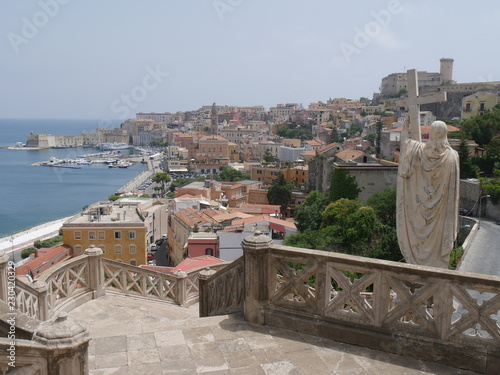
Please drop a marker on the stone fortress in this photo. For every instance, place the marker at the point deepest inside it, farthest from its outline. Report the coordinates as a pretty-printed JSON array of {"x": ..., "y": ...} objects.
[{"x": 429, "y": 83}]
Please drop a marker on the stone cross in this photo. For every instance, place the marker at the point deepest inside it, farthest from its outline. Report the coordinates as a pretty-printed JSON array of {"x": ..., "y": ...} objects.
[{"x": 413, "y": 101}]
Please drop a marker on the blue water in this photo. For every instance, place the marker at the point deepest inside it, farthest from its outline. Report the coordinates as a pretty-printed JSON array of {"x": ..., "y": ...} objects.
[{"x": 34, "y": 195}]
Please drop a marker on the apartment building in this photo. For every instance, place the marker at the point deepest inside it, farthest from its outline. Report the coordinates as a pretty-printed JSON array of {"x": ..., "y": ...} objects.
[{"x": 123, "y": 229}]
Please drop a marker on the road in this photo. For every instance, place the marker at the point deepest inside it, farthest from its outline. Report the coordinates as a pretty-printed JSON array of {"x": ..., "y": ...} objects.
[{"x": 484, "y": 254}]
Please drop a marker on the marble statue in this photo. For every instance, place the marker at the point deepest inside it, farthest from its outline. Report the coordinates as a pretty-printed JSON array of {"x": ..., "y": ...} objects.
[{"x": 428, "y": 198}]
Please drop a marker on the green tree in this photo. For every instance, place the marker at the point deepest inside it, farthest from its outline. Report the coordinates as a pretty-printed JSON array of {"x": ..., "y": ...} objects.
[
  {"x": 280, "y": 192},
  {"x": 370, "y": 138},
  {"x": 343, "y": 185},
  {"x": 483, "y": 129},
  {"x": 355, "y": 129},
  {"x": 268, "y": 156},
  {"x": 386, "y": 246},
  {"x": 467, "y": 169},
  {"x": 335, "y": 137},
  {"x": 378, "y": 138},
  {"x": 162, "y": 178},
  {"x": 384, "y": 204},
  {"x": 27, "y": 252},
  {"x": 309, "y": 213},
  {"x": 350, "y": 223},
  {"x": 158, "y": 144},
  {"x": 230, "y": 175}
]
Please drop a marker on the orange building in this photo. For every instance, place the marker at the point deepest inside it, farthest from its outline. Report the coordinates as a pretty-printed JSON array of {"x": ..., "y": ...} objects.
[
  {"x": 297, "y": 175},
  {"x": 123, "y": 229}
]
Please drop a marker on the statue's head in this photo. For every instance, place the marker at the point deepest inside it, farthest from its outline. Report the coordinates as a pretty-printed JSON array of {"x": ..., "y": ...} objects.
[
  {"x": 438, "y": 137},
  {"x": 439, "y": 131}
]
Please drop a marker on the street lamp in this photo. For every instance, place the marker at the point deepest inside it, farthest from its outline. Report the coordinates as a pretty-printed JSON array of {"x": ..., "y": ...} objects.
[
  {"x": 12, "y": 249},
  {"x": 479, "y": 213}
]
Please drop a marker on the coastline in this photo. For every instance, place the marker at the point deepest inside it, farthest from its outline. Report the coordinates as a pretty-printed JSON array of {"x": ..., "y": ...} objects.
[
  {"x": 21, "y": 240},
  {"x": 26, "y": 238}
]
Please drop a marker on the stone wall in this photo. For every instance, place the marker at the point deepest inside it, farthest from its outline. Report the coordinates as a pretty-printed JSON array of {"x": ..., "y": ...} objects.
[
  {"x": 372, "y": 180},
  {"x": 470, "y": 192}
]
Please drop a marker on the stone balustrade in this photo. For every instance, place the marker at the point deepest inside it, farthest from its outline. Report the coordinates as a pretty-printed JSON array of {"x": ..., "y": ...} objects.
[
  {"x": 47, "y": 341},
  {"x": 78, "y": 280},
  {"x": 436, "y": 315}
]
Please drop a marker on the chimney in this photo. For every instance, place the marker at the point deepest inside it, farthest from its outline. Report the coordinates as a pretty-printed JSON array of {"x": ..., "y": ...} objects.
[{"x": 118, "y": 216}]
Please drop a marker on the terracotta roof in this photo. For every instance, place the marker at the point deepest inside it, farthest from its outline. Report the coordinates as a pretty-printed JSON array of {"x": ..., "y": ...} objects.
[
  {"x": 213, "y": 213},
  {"x": 255, "y": 219},
  {"x": 348, "y": 155},
  {"x": 193, "y": 218},
  {"x": 327, "y": 147},
  {"x": 315, "y": 142},
  {"x": 426, "y": 129},
  {"x": 258, "y": 208},
  {"x": 309, "y": 153},
  {"x": 45, "y": 255},
  {"x": 197, "y": 262},
  {"x": 231, "y": 215},
  {"x": 185, "y": 196}
]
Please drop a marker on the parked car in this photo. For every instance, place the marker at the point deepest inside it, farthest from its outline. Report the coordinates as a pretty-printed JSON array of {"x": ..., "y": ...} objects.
[{"x": 464, "y": 212}]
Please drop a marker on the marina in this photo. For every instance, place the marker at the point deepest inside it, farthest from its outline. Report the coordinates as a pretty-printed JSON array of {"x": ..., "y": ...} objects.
[{"x": 114, "y": 159}]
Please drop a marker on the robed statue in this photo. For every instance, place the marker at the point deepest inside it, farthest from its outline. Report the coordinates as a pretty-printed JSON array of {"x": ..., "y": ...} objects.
[{"x": 428, "y": 197}]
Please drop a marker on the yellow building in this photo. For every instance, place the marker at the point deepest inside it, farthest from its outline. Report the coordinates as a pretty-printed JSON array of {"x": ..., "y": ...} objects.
[
  {"x": 212, "y": 148},
  {"x": 478, "y": 103},
  {"x": 123, "y": 229}
]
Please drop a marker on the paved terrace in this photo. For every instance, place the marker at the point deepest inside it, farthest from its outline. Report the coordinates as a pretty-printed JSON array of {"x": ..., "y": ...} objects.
[{"x": 131, "y": 336}]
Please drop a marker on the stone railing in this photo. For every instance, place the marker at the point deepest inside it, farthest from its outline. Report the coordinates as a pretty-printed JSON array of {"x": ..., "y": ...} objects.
[
  {"x": 30, "y": 345},
  {"x": 180, "y": 288},
  {"x": 78, "y": 280},
  {"x": 221, "y": 293},
  {"x": 414, "y": 311}
]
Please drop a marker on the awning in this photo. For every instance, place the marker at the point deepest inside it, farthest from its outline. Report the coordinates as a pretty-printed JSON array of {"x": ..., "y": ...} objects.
[{"x": 277, "y": 227}]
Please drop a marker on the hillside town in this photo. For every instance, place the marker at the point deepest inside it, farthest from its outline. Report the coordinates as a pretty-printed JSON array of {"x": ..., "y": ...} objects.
[
  {"x": 277, "y": 214},
  {"x": 218, "y": 163}
]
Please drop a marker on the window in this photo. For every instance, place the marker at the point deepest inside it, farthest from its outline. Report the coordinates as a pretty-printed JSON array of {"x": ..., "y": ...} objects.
[
  {"x": 209, "y": 251},
  {"x": 131, "y": 235},
  {"x": 118, "y": 235},
  {"x": 118, "y": 249},
  {"x": 132, "y": 249},
  {"x": 92, "y": 235},
  {"x": 133, "y": 262},
  {"x": 481, "y": 106},
  {"x": 103, "y": 248},
  {"x": 78, "y": 249},
  {"x": 101, "y": 235},
  {"x": 78, "y": 235}
]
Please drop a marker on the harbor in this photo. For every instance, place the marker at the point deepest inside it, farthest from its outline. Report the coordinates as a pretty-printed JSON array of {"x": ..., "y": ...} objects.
[{"x": 114, "y": 159}]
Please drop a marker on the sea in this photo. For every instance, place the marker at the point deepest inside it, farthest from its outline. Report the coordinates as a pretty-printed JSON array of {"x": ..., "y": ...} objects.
[{"x": 31, "y": 196}]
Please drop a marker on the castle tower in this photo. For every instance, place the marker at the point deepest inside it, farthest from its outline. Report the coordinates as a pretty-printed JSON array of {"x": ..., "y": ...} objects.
[
  {"x": 446, "y": 70},
  {"x": 214, "y": 120}
]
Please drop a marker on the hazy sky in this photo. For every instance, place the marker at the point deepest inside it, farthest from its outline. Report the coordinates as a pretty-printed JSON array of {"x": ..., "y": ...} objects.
[{"x": 112, "y": 58}]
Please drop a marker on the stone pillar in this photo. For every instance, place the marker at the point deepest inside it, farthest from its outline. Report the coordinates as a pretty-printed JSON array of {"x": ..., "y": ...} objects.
[
  {"x": 203, "y": 291},
  {"x": 256, "y": 268},
  {"x": 4, "y": 260},
  {"x": 96, "y": 271},
  {"x": 43, "y": 303},
  {"x": 66, "y": 341},
  {"x": 181, "y": 288}
]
